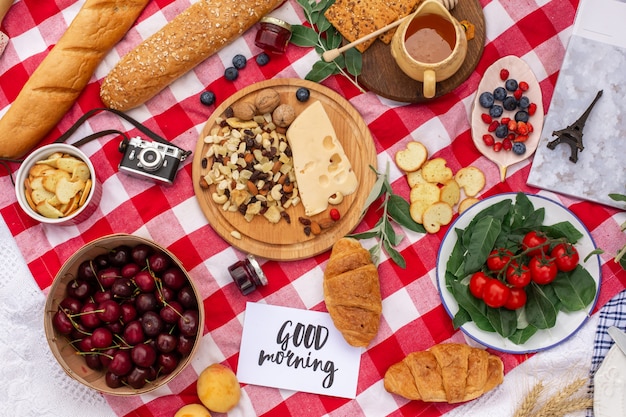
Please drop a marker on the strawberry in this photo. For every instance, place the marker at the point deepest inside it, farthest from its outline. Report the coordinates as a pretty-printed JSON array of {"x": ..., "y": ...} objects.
[
  {"x": 518, "y": 93},
  {"x": 512, "y": 125},
  {"x": 497, "y": 146},
  {"x": 532, "y": 108},
  {"x": 505, "y": 120},
  {"x": 523, "y": 85},
  {"x": 506, "y": 144},
  {"x": 522, "y": 128},
  {"x": 488, "y": 140},
  {"x": 493, "y": 126},
  {"x": 521, "y": 138},
  {"x": 486, "y": 118},
  {"x": 504, "y": 74}
]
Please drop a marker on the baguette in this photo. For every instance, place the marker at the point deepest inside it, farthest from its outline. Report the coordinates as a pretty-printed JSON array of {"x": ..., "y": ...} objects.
[
  {"x": 63, "y": 74},
  {"x": 191, "y": 37}
]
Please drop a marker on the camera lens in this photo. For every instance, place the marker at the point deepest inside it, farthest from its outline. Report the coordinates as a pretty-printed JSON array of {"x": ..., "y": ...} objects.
[{"x": 150, "y": 159}]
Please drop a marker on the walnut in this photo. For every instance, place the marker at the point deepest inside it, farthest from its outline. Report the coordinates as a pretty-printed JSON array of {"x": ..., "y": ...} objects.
[
  {"x": 244, "y": 110},
  {"x": 284, "y": 115},
  {"x": 267, "y": 100}
]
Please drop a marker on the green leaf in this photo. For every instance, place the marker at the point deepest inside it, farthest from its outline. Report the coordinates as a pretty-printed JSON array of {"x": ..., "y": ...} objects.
[
  {"x": 320, "y": 71},
  {"x": 354, "y": 62},
  {"x": 398, "y": 209},
  {"x": 503, "y": 321},
  {"x": 540, "y": 311},
  {"x": 390, "y": 233},
  {"x": 481, "y": 242},
  {"x": 563, "y": 229},
  {"x": 303, "y": 36},
  {"x": 474, "y": 307},
  {"x": 365, "y": 235},
  {"x": 618, "y": 197},
  {"x": 307, "y": 6},
  {"x": 394, "y": 254},
  {"x": 460, "y": 318},
  {"x": 323, "y": 24},
  {"x": 597, "y": 251},
  {"x": 521, "y": 336},
  {"x": 456, "y": 261},
  {"x": 375, "y": 192},
  {"x": 575, "y": 289}
]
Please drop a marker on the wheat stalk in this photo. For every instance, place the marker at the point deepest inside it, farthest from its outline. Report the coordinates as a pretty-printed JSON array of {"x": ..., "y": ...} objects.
[
  {"x": 560, "y": 403},
  {"x": 528, "y": 405}
]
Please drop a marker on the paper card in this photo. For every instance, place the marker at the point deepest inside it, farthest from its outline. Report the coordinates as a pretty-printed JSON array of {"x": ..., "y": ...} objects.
[{"x": 296, "y": 349}]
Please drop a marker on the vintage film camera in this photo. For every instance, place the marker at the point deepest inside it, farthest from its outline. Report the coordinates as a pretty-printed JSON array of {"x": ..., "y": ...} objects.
[{"x": 144, "y": 159}]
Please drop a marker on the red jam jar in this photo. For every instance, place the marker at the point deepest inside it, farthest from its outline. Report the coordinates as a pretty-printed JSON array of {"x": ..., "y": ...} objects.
[
  {"x": 247, "y": 274},
  {"x": 273, "y": 35}
]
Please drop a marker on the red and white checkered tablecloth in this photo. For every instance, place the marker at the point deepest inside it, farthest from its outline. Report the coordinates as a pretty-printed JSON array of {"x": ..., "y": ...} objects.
[{"x": 413, "y": 316}]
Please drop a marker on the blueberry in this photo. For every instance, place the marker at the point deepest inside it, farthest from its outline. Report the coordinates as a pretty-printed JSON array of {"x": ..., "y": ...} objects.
[
  {"x": 509, "y": 103},
  {"x": 521, "y": 116},
  {"x": 524, "y": 102},
  {"x": 519, "y": 148},
  {"x": 495, "y": 110},
  {"x": 511, "y": 84},
  {"x": 239, "y": 61},
  {"x": 207, "y": 98},
  {"x": 501, "y": 131},
  {"x": 231, "y": 73},
  {"x": 499, "y": 93},
  {"x": 262, "y": 59},
  {"x": 486, "y": 99},
  {"x": 303, "y": 94}
]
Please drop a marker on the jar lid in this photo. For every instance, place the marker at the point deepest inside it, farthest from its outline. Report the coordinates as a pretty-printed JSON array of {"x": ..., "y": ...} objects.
[
  {"x": 257, "y": 268},
  {"x": 276, "y": 21}
]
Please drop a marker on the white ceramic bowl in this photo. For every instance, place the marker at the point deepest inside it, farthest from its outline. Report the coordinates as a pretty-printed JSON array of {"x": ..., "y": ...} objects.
[{"x": 77, "y": 216}]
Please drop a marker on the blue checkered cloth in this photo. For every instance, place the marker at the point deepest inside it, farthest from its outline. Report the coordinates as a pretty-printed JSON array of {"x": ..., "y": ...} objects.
[{"x": 612, "y": 314}]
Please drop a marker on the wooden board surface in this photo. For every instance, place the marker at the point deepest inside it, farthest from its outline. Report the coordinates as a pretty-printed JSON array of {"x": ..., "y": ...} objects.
[
  {"x": 283, "y": 241},
  {"x": 384, "y": 77}
]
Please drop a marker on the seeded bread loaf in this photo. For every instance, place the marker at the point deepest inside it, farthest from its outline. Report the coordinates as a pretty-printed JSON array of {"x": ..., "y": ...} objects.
[
  {"x": 191, "y": 37},
  {"x": 63, "y": 74}
]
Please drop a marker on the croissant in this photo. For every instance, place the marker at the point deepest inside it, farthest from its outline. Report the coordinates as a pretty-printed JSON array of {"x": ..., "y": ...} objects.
[
  {"x": 448, "y": 372},
  {"x": 352, "y": 292}
]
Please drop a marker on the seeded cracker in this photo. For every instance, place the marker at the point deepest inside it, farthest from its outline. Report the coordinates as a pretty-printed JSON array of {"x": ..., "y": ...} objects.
[
  {"x": 357, "y": 18},
  {"x": 402, "y": 8}
]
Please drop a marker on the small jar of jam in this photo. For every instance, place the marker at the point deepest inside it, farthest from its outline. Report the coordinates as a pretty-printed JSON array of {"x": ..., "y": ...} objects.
[
  {"x": 274, "y": 35},
  {"x": 247, "y": 274}
]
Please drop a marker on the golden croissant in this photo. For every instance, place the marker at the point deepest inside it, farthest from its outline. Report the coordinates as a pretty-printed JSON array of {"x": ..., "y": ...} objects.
[
  {"x": 448, "y": 372},
  {"x": 352, "y": 292}
]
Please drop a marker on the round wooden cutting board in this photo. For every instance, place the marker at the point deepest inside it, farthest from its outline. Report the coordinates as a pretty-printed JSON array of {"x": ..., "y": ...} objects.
[
  {"x": 384, "y": 77},
  {"x": 287, "y": 241}
]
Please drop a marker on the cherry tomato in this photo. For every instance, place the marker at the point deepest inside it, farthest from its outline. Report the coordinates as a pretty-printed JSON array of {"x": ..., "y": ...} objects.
[
  {"x": 542, "y": 270},
  {"x": 498, "y": 259},
  {"x": 565, "y": 256},
  {"x": 495, "y": 293},
  {"x": 518, "y": 275},
  {"x": 535, "y": 243},
  {"x": 477, "y": 284},
  {"x": 516, "y": 300}
]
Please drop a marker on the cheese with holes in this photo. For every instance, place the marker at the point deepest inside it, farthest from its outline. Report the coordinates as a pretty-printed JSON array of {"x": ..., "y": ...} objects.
[{"x": 321, "y": 166}]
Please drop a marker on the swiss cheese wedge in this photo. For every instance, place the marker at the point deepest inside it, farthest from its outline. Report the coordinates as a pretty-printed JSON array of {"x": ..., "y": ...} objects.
[{"x": 320, "y": 163}]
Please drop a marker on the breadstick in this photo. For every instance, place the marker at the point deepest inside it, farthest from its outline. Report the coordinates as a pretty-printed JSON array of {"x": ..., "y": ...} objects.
[
  {"x": 197, "y": 33},
  {"x": 63, "y": 74}
]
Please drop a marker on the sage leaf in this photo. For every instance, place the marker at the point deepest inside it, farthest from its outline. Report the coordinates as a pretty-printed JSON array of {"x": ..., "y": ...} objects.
[
  {"x": 398, "y": 210},
  {"x": 365, "y": 235},
  {"x": 304, "y": 36},
  {"x": 481, "y": 243},
  {"x": 617, "y": 197},
  {"x": 307, "y": 6},
  {"x": 354, "y": 62},
  {"x": 394, "y": 254},
  {"x": 320, "y": 71},
  {"x": 575, "y": 289}
]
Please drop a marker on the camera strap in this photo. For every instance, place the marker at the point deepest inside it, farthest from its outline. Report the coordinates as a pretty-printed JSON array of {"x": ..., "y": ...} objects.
[{"x": 142, "y": 128}]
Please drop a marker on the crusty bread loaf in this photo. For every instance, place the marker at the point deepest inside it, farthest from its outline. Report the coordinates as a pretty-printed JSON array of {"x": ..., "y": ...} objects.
[
  {"x": 448, "y": 372},
  {"x": 352, "y": 292},
  {"x": 63, "y": 74},
  {"x": 191, "y": 37}
]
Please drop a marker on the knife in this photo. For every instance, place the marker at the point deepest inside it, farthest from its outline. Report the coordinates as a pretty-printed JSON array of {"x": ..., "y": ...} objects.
[
  {"x": 5, "y": 5},
  {"x": 619, "y": 337}
]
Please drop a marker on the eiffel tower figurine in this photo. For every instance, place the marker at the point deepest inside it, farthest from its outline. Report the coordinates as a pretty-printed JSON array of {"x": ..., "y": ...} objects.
[{"x": 573, "y": 134}]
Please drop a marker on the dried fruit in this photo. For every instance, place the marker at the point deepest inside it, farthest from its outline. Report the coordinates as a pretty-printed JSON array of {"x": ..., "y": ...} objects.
[
  {"x": 504, "y": 74},
  {"x": 334, "y": 214}
]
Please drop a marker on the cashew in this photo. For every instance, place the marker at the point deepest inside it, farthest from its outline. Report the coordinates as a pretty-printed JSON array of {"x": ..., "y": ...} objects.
[
  {"x": 335, "y": 198},
  {"x": 219, "y": 198},
  {"x": 276, "y": 192}
]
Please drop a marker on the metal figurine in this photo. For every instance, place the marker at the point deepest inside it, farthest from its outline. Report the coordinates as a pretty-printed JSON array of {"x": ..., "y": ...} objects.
[{"x": 573, "y": 134}]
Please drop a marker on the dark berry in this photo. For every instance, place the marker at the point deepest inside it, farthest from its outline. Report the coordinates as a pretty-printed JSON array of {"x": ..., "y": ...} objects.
[
  {"x": 524, "y": 102},
  {"x": 499, "y": 93},
  {"x": 239, "y": 61},
  {"x": 509, "y": 103},
  {"x": 511, "y": 84},
  {"x": 521, "y": 116},
  {"x": 519, "y": 148},
  {"x": 502, "y": 131},
  {"x": 231, "y": 73},
  {"x": 303, "y": 94},
  {"x": 486, "y": 99},
  {"x": 496, "y": 110},
  {"x": 207, "y": 98},
  {"x": 262, "y": 59}
]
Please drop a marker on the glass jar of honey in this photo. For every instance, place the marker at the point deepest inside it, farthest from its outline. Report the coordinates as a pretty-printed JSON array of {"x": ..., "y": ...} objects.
[
  {"x": 247, "y": 274},
  {"x": 273, "y": 35}
]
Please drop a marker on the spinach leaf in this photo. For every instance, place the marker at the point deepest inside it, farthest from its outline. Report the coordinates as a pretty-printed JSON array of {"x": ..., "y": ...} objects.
[
  {"x": 481, "y": 242},
  {"x": 473, "y": 306},
  {"x": 503, "y": 321},
  {"x": 575, "y": 289},
  {"x": 563, "y": 229},
  {"x": 521, "y": 336},
  {"x": 540, "y": 311}
]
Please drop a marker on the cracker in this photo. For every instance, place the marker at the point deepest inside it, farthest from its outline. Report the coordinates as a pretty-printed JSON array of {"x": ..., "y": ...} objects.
[{"x": 357, "y": 18}]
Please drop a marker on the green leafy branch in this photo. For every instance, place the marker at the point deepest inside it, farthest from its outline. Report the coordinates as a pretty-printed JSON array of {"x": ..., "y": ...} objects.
[
  {"x": 620, "y": 258},
  {"x": 324, "y": 37},
  {"x": 394, "y": 209}
]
